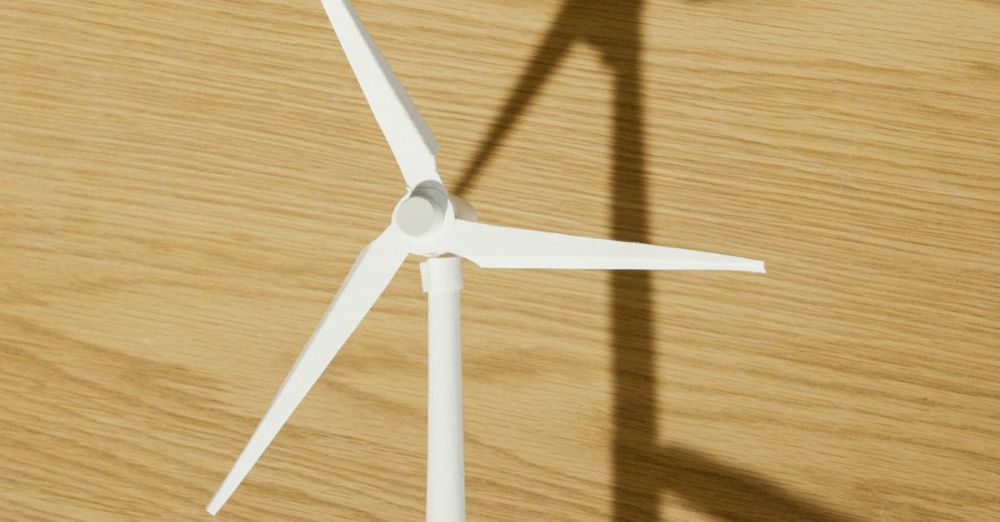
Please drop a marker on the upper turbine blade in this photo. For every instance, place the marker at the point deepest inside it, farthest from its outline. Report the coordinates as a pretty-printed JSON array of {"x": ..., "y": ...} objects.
[
  {"x": 491, "y": 246},
  {"x": 369, "y": 276},
  {"x": 410, "y": 139}
]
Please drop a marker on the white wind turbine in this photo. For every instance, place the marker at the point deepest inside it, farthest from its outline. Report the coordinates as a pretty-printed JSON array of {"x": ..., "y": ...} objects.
[{"x": 429, "y": 222}]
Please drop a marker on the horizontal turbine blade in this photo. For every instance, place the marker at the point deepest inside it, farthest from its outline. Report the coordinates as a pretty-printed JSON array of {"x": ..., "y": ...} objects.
[
  {"x": 410, "y": 139},
  {"x": 369, "y": 276},
  {"x": 492, "y": 246}
]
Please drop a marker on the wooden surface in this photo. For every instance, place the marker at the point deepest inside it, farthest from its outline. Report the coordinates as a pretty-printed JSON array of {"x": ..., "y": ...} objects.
[{"x": 185, "y": 184}]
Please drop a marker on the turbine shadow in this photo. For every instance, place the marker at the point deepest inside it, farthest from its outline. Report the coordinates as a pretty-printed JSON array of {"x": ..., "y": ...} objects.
[{"x": 643, "y": 469}]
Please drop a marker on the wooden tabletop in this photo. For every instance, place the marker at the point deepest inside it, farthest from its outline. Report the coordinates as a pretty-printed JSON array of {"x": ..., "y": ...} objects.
[{"x": 184, "y": 185}]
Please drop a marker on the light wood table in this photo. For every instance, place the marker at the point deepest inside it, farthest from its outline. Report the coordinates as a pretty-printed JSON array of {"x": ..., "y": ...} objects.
[{"x": 183, "y": 186}]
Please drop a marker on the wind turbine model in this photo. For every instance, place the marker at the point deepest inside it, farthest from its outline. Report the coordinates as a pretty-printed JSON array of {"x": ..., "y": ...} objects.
[{"x": 429, "y": 222}]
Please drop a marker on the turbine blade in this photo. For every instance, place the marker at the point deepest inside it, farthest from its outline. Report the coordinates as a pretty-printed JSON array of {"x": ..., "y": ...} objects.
[
  {"x": 410, "y": 139},
  {"x": 492, "y": 246},
  {"x": 371, "y": 273}
]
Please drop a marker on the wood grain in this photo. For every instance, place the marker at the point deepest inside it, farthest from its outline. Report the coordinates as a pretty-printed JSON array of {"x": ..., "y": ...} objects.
[{"x": 184, "y": 185}]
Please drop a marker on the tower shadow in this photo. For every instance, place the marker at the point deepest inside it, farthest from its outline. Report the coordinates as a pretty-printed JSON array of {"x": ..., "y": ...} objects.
[{"x": 643, "y": 469}]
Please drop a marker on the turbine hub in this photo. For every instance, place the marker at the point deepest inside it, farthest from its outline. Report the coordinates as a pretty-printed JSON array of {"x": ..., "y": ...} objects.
[
  {"x": 418, "y": 215},
  {"x": 423, "y": 212}
]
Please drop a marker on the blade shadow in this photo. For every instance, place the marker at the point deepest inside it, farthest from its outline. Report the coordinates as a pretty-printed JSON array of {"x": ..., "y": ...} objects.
[{"x": 643, "y": 469}]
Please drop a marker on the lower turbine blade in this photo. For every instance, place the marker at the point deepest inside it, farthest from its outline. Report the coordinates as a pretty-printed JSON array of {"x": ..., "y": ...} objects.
[
  {"x": 371, "y": 273},
  {"x": 491, "y": 246}
]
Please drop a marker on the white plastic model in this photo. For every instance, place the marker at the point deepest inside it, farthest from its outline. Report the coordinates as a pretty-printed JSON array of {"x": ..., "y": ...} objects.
[{"x": 429, "y": 222}]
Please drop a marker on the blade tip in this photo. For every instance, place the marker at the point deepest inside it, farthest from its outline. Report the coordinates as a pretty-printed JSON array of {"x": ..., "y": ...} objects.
[{"x": 213, "y": 507}]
